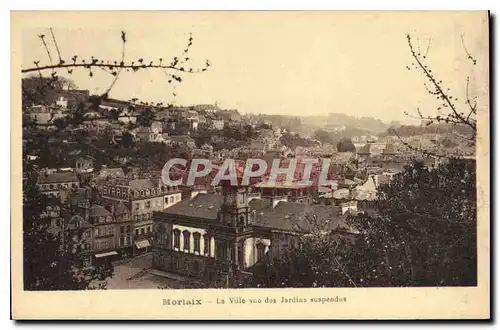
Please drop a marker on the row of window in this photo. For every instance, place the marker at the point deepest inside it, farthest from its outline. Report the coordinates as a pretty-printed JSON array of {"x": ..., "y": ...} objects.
[
  {"x": 186, "y": 237},
  {"x": 143, "y": 230},
  {"x": 143, "y": 217},
  {"x": 101, "y": 219},
  {"x": 115, "y": 191},
  {"x": 104, "y": 245},
  {"x": 125, "y": 241},
  {"x": 124, "y": 229},
  {"x": 57, "y": 186},
  {"x": 103, "y": 231},
  {"x": 124, "y": 191},
  {"x": 155, "y": 204}
]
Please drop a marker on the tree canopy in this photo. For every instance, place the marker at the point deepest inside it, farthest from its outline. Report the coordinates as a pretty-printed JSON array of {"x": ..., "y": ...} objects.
[{"x": 422, "y": 234}]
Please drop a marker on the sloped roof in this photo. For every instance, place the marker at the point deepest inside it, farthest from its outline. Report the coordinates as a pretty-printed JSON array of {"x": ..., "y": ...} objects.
[
  {"x": 341, "y": 194},
  {"x": 205, "y": 206},
  {"x": 365, "y": 150},
  {"x": 259, "y": 204},
  {"x": 298, "y": 217},
  {"x": 181, "y": 138},
  {"x": 112, "y": 172},
  {"x": 341, "y": 157},
  {"x": 141, "y": 184},
  {"x": 364, "y": 195},
  {"x": 72, "y": 223},
  {"x": 99, "y": 211},
  {"x": 79, "y": 195},
  {"x": 119, "y": 206},
  {"x": 389, "y": 149},
  {"x": 62, "y": 177}
]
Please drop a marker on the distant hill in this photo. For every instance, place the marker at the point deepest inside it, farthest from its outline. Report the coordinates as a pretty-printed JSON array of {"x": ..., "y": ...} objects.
[{"x": 338, "y": 122}]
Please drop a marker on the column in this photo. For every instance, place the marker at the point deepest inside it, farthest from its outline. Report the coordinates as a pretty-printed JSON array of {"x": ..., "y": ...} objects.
[
  {"x": 235, "y": 246},
  {"x": 212, "y": 247},
  {"x": 191, "y": 243},
  {"x": 202, "y": 245}
]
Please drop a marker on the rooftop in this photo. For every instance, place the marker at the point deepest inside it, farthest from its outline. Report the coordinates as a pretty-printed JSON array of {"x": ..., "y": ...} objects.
[
  {"x": 62, "y": 177},
  {"x": 204, "y": 206},
  {"x": 300, "y": 217}
]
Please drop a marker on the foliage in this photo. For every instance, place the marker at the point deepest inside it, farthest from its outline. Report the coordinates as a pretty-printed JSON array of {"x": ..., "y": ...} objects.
[
  {"x": 323, "y": 136},
  {"x": 46, "y": 266},
  {"x": 346, "y": 145},
  {"x": 52, "y": 262},
  {"x": 460, "y": 112},
  {"x": 417, "y": 237}
]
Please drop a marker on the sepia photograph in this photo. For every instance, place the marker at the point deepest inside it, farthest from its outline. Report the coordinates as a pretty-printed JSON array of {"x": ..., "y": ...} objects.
[{"x": 295, "y": 160}]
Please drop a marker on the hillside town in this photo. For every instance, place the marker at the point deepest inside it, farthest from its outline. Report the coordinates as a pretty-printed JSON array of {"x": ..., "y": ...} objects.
[{"x": 101, "y": 160}]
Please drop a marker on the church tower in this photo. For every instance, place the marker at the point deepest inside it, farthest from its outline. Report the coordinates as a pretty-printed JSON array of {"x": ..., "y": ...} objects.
[{"x": 234, "y": 211}]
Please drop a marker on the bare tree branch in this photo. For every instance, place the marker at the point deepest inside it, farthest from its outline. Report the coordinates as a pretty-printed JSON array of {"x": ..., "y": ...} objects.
[{"x": 444, "y": 96}]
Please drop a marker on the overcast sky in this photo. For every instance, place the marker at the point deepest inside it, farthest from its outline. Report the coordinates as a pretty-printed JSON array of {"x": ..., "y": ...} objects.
[{"x": 294, "y": 63}]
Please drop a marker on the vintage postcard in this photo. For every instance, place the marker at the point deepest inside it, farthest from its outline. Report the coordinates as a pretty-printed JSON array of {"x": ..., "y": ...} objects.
[{"x": 250, "y": 165}]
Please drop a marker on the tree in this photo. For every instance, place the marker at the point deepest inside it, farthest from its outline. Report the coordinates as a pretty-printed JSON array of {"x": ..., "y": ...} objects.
[
  {"x": 41, "y": 90},
  {"x": 346, "y": 145},
  {"x": 416, "y": 238},
  {"x": 46, "y": 266},
  {"x": 323, "y": 136},
  {"x": 460, "y": 111}
]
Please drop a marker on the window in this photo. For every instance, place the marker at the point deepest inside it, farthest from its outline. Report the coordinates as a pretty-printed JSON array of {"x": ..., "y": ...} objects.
[
  {"x": 196, "y": 266},
  {"x": 197, "y": 241},
  {"x": 142, "y": 192},
  {"x": 137, "y": 206},
  {"x": 166, "y": 200},
  {"x": 124, "y": 193},
  {"x": 142, "y": 231},
  {"x": 187, "y": 236},
  {"x": 73, "y": 185},
  {"x": 261, "y": 250},
  {"x": 137, "y": 232},
  {"x": 118, "y": 191},
  {"x": 149, "y": 229},
  {"x": 87, "y": 233},
  {"x": 148, "y": 204},
  {"x": 153, "y": 191},
  {"x": 177, "y": 238},
  {"x": 122, "y": 229},
  {"x": 171, "y": 199},
  {"x": 206, "y": 243},
  {"x": 121, "y": 241},
  {"x": 51, "y": 187},
  {"x": 165, "y": 237},
  {"x": 221, "y": 250},
  {"x": 113, "y": 191},
  {"x": 147, "y": 192},
  {"x": 136, "y": 194}
]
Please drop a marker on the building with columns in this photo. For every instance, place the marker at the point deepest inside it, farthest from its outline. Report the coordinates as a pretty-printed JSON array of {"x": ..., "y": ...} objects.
[{"x": 217, "y": 238}]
